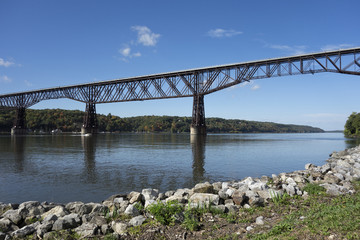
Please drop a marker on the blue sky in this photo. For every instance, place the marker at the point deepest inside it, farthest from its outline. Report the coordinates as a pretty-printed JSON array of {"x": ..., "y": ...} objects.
[{"x": 55, "y": 43}]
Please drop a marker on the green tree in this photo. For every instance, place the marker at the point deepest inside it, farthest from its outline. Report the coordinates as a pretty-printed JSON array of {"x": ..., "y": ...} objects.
[{"x": 352, "y": 125}]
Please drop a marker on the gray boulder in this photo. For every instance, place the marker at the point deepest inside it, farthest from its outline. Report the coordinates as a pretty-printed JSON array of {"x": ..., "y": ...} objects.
[
  {"x": 149, "y": 194},
  {"x": 98, "y": 220},
  {"x": 149, "y": 202},
  {"x": 290, "y": 189},
  {"x": 59, "y": 211},
  {"x": 325, "y": 168},
  {"x": 238, "y": 197},
  {"x": 119, "y": 227},
  {"x": 85, "y": 209},
  {"x": 184, "y": 192},
  {"x": 231, "y": 208},
  {"x": 230, "y": 191},
  {"x": 169, "y": 193},
  {"x": 203, "y": 188},
  {"x": 331, "y": 178},
  {"x": 106, "y": 229},
  {"x": 137, "y": 221},
  {"x": 217, "y": 186},
  {"x": 50, "y": 218},
  {"x": 13, "y": 215},
  {"x": 69, "y": 221},
  {"x": 121, "y": 204},
  {"x": 27, "y": 230},
  {"x": 134, "y": 197},
  {"x": 74, "y": 207},
  {"x": 332, "y": 189},
  {"x": 222, "y": 194},
  {"x": 6, "y": 224},
  {"x": 43, "y": 228},
  {"x": 131, "y": 210},
  {"x": 179, "y": 199},
  {"x": 204, "y": 199},
  {"x": 257, "y": 186},
  {"x": 86, "y": 230},
  {"x": 30, "y": 209}
]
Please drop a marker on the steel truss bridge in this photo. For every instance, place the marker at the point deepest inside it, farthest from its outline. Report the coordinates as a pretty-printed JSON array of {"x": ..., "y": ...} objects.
[{"x": 194, "y": 83}]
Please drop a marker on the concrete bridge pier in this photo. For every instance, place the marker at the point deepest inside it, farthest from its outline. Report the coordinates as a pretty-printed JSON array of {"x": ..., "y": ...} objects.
[
  {"x": 90, "y": 124},
  {"x": 20, "y": 123},
  {"x": 198, "y": 126}
]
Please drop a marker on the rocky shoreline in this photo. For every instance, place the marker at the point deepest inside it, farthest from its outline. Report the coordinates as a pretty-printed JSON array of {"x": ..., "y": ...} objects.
[{"x": 88, "y": 220}]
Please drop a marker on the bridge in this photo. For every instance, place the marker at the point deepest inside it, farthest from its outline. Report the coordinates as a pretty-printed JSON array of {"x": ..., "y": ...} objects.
[{"x": 194, "y": 83}]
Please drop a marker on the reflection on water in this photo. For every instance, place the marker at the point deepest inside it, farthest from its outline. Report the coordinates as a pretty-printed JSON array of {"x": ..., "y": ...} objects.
[
  {"x": 89, "y": 146},
  {"x": 63, "y": 168},
  {"x": 18, "y": 147},
  {"x": 198, "y": 152}
]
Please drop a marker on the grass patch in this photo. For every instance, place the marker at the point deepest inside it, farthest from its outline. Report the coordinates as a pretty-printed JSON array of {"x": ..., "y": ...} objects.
[
  {"x": 319, "y": 216},
  {"x": 313, "y": 189},
  {"x": 164, "y": 212}
]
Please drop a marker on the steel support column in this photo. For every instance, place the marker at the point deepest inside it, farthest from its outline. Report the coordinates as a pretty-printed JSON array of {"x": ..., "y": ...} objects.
[
  {"x": 20, "y": 122},
  {"x": 198, "y": 125},
  {"x": 90, "y": 124}
]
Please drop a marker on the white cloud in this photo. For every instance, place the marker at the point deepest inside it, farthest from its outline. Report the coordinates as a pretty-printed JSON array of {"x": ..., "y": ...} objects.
[
  {"x": 125, "y": 51},
  {"x": 5, "y": 63},
  {"x": 219, "y": 33},
  {"x": 255, "y": 87},
  {"x": 145, "y": 36},
  {"x": 137, "y": 54},
  {"x": 331, "y": 47},
  {"x": 5, "y": 79},
  {"x": 300, "y": 49}
]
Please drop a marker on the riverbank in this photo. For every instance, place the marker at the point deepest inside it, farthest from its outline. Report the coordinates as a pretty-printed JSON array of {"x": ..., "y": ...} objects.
[{"x": 222, "y": 210}]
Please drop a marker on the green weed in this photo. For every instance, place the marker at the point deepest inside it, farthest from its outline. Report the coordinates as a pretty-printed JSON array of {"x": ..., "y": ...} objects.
[
  {"x": 279, "y": 199},
  {"x": 191, "y": 221},
  {"x": 110, "y": 236},
  {"x": 164, "y": 212}
]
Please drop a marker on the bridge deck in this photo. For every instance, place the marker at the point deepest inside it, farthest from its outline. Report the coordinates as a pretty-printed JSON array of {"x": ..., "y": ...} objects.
[{"x": 192, "y": 81}]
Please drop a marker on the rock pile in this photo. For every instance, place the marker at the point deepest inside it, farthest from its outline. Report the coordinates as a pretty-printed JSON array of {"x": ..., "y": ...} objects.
[{"x": 91, "y": 219}]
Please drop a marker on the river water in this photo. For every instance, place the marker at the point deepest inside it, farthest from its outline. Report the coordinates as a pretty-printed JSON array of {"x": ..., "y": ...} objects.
[{"x": 64, "y": 168}]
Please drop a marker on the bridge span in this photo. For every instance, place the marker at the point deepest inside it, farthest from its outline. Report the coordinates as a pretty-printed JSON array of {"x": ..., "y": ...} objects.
[{"x": 194, "y": 83}]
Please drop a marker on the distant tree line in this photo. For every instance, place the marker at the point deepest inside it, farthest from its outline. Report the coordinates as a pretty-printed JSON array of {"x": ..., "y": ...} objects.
[
  {"x": 71, "y": 121},
  {"x": 352, "y": 125}
]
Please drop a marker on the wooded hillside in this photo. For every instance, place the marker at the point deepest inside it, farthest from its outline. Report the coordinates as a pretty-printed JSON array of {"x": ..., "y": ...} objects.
[{"x": 71, "y": 121}]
